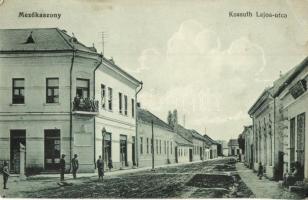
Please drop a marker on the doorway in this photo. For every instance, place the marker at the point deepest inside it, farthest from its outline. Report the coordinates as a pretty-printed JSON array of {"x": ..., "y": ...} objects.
[
  {"x": 107, "y": 149},
  {"x": 190, "y": 155},
  {"x": 123, "y": 150},
  {"x": 17, "y": 137},
  {"x": 52, "y": 149},
  {"x": 134, "y": 151}
]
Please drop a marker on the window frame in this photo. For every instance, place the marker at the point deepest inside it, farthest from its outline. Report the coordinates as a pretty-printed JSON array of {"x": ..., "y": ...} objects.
[
  {"x": 125, "y": 105},
  {"x": 120, "y": 103},
  {"x": 133, "y": 107},
  {"x": 87, "y": 89},
  {"x": 110, "y": 95},
  {"x": 53, "y": 89},
  {"x": 19, "y": 89},
  {"x": 103, "y": 96}
]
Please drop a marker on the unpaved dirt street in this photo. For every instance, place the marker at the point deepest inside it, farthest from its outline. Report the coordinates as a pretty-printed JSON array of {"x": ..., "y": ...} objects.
[{"x": 210, "y": 179}]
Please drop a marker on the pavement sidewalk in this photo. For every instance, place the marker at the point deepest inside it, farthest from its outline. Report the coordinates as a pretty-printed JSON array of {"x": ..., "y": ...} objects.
[{"x": 263, "y": 188}]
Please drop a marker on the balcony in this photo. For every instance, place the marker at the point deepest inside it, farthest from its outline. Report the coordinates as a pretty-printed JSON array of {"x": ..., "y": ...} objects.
[{"x": 85, "y": 106}]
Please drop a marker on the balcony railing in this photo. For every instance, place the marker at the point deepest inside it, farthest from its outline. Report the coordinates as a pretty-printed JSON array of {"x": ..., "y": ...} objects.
[{"x": 85, "y": 105}]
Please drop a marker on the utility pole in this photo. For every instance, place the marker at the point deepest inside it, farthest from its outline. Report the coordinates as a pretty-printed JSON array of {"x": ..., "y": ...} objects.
[{"x": 152, "y": 146}]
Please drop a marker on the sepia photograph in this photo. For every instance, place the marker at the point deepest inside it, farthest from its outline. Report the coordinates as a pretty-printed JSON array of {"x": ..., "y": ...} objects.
[{"x": 154, "y": 99}]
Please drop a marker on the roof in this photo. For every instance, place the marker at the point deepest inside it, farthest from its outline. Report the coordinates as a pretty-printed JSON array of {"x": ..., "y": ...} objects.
[
  {"x": 147, "y": 116},
  {"x": 48, "y": 39},
  {"x": 186, "y": 133},
  {"x": 233, "y": 142},
  {"x": 290, "y": 76},
  {"x": 43, "y": 39}
]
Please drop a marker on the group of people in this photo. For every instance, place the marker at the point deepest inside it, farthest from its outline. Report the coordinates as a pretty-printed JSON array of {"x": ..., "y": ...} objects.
[{"x": 74, "y": 167}]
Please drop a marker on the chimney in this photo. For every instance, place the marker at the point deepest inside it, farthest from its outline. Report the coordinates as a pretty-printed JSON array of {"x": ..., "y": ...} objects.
[
  {"x": 169, "y": 118},
  {"x": 138, "y": 105},
  {"x": 175, "y": 120}
]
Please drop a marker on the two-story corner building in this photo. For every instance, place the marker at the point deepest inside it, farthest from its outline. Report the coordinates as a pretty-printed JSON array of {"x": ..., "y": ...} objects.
[
  {"x": 48, "y": 81},
  {"x": 247, "y": 134},
  {"x": 293, "y": 96},
  {"x": 161, "y": 133}
]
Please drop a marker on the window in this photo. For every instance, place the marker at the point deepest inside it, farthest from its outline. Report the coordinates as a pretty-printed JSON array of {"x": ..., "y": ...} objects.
[
  {"x": 52, "y": 90},
  {"x": 110, "y": 98},
  {"x": 120, "y": 102},
  {"x": 159, "y": 146},
  {"x": 170, "y": 147},
  {"x": 125, "y": 105},
  {"x": 165, "y": 147},
  {"x": 147, "y": 145},
  {"x": 141, "y": 145},
  {"x": 18, "y": 91},
  {"x": 82, "y": 88},
  {"x": 103, "y": 96},
  {"x": 133, "y": 108}
]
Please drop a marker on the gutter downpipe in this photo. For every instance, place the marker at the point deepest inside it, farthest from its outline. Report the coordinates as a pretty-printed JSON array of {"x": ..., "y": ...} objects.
[
  {"x": 71, "y": 106},
  {"x": 94, "y": 129},
  {"x": 136, "y": 118}
]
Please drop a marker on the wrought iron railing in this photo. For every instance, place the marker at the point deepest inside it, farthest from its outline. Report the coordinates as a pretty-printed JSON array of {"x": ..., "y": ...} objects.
[{"x": 85, "y": 104}]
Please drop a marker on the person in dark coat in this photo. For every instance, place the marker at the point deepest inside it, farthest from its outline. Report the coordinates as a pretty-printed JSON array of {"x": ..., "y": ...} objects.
[
  {"x": 62, "y": 167},
  {"x": 100, "y": 167},
  {"x": 75, "y": 165},
  {"x": 5, "y": 174},
  {"x": 260, "y": 171}
]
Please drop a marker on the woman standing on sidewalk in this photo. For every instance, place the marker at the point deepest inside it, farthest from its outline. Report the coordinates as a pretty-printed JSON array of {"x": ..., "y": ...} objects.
[{"x": 260, "y": 170}]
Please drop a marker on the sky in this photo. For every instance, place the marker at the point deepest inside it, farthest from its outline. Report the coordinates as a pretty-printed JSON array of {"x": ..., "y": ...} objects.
[{"x": 190, "y": 55}]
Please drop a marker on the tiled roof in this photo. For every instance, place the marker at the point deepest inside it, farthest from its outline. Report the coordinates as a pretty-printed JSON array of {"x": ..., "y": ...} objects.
[
  {"x": 233, "y": 142},
  {"x": 186, "y": 133},
  {"x": 44, "y": 39},
  {"x": 147, "y": 116}
]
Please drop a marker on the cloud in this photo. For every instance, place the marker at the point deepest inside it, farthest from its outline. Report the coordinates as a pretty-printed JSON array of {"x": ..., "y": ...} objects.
[{"x": 210, "y": 85}]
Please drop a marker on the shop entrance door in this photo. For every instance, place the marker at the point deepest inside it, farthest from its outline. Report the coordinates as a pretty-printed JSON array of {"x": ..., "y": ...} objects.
[
  {"x": 301, "y": 143},
  {"x": 17, "y": 137},
  {"x": 52, "y": 149}
]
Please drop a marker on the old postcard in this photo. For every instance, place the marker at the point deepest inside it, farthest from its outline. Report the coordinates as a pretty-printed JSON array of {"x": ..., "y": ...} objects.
[{"x": 154, "y": 99}]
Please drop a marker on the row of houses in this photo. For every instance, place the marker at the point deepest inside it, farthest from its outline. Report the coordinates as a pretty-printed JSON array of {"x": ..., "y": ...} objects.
[
  {"x": 58, "y": 96},
  {"x": 278, "y": 135}
]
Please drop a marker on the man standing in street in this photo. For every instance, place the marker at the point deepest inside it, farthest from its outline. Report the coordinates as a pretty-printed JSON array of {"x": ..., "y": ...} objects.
[
  {"x": 75, "y": 165},
  {"x": 62, "y": 167},
  {"x": 5, "y": 174},
  {"x": 100, "y": 167}
]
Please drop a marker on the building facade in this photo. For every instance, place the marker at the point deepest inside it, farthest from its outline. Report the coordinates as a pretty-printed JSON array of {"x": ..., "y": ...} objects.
[
  {"x": 293, "y": 97},
  {"x": 248, "y": 154},
  {"x": 165, "y": 145},
  {"x": 53, "y": 101},
  {"x": 234, "y": 149}
]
